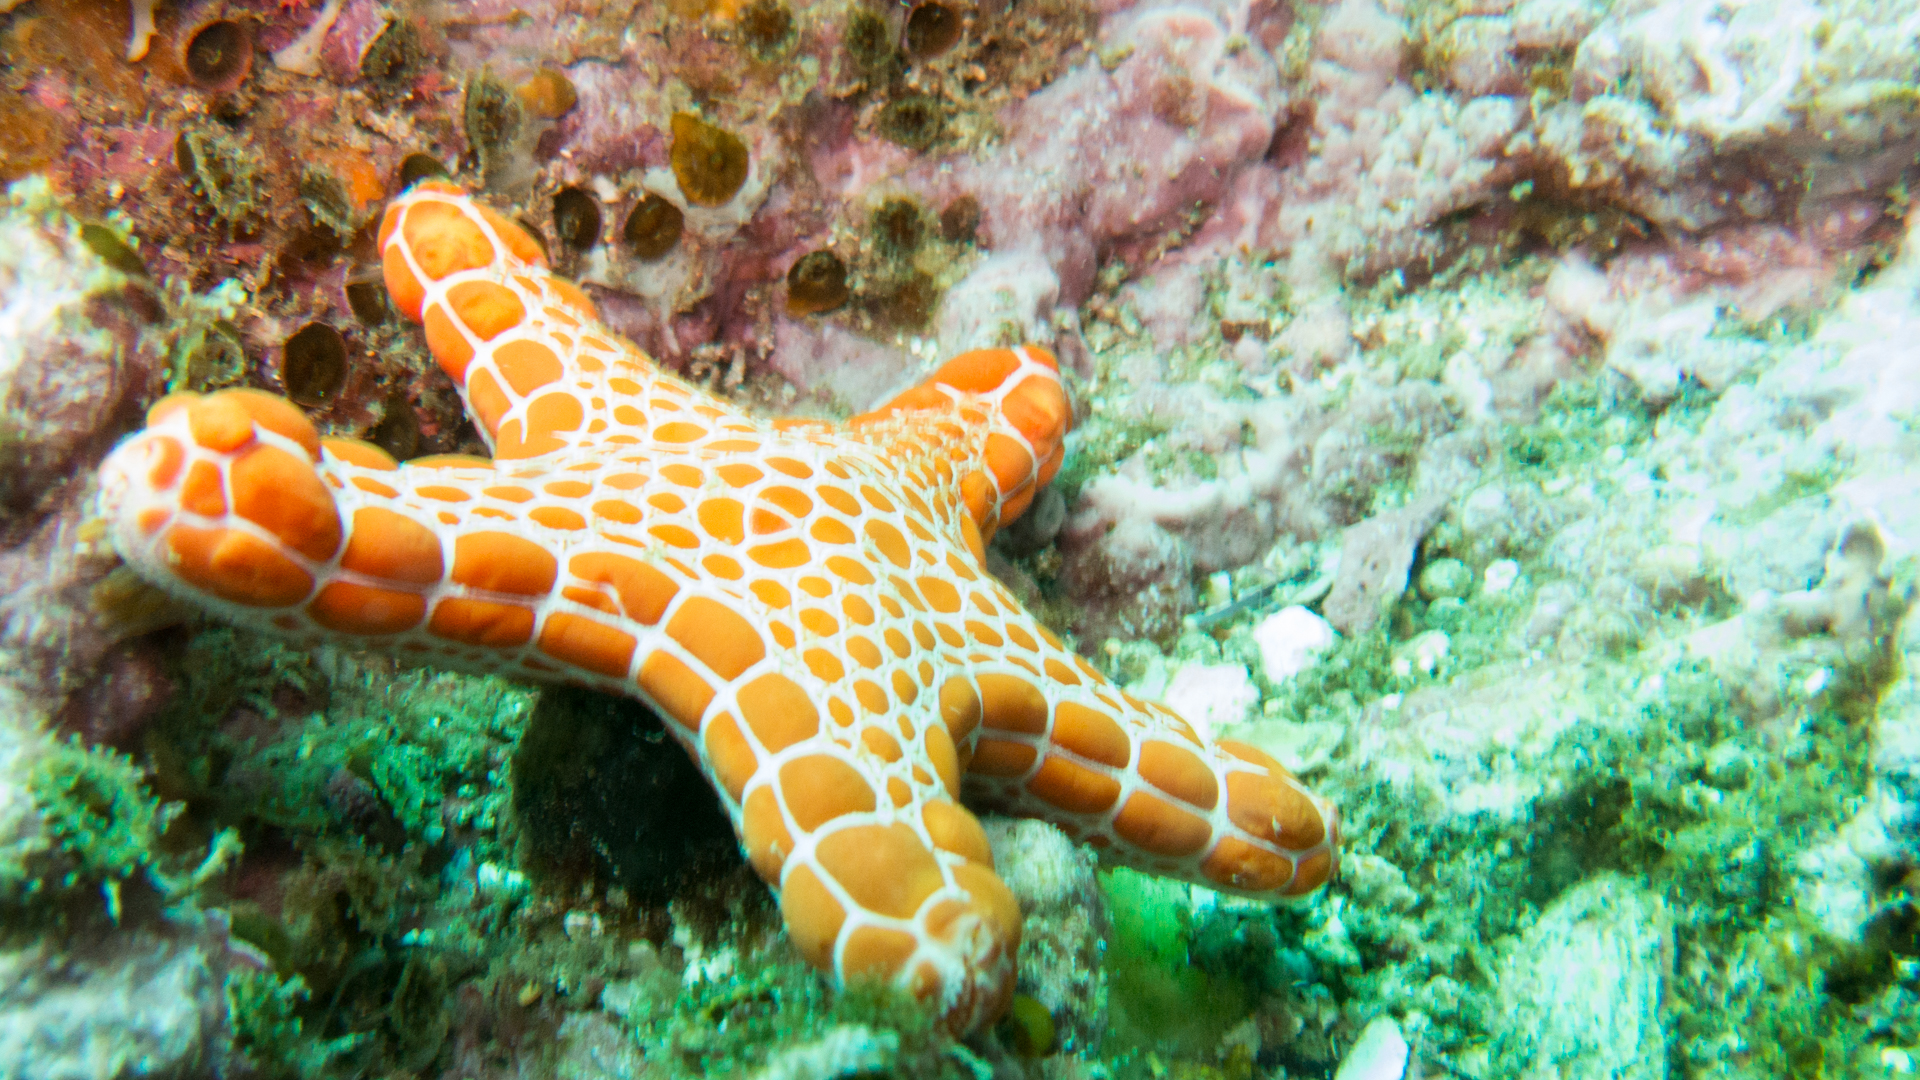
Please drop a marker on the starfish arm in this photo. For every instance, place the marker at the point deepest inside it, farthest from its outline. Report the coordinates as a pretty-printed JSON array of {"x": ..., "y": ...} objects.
[
  {"x": 219, "y": 500},
  {"x": 1006, "y": 414},
  {"x": 1135, "y": 780},
  {"x": 536, "y": 369},
  {"x": 234, "y": 501}
]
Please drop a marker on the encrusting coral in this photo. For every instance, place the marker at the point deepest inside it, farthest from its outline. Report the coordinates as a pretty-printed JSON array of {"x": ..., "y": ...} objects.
[{"x": 806, "y": 603}]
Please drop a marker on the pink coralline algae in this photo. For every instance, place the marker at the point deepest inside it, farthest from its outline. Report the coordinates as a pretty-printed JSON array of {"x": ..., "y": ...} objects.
[
  {"x": 1111, "y": 159},
  {"x": 1234, "y": 171}
]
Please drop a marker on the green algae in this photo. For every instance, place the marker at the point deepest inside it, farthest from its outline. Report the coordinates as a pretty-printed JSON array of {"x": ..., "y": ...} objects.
[
  {"x": 1722, "y": 865},
  {"x": 226, "y": 171},
  {"x": 267, "y": 1028},
  {"x": 393, "y": 791},
  {"x": 1581, "y": 419},
  {"x": 736, "y": 1025},
  {"x": 104, "y": 825},
  {"x": 1644, "y": 793},
  {"x": 1159, "y": 1000},
  {"x": 1667, "y": 776},
  {"x": 107, "y": 846},
  {"x": 433, "y": 746},
  {"x": 359, "y": 784}
]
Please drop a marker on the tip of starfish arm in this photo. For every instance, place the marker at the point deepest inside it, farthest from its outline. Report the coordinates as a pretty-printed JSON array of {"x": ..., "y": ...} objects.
[
  {"x": 219, "y": 496},
  {"x": 1029, "y": 416}
]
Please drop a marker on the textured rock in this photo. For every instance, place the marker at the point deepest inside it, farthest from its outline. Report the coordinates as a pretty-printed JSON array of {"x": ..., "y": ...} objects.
[
  {"x": 133, "y": 1003},
  {"x": 74, "y": 368},
  {"x": 1375, "y": 556},
  {"x": 1066, "y": 928},
  {"x": 1582, "y": 989},
  {"x": 1379, "y": 1054}
]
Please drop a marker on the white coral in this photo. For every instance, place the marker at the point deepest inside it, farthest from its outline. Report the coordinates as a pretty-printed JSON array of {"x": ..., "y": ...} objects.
[
  {"x": 1727, "y": 69},
  {"x": 1660, "y": 86}
]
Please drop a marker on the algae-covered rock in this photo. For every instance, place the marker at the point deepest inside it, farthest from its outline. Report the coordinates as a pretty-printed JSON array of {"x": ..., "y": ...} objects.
[
  {"x": 139, "y": 1004},
  {"x": 1066, "y": 930},
  {"x": 71, "y": 348},
  {"x": 1581, "y": 991},
  {"x": 76, "y": 361}
]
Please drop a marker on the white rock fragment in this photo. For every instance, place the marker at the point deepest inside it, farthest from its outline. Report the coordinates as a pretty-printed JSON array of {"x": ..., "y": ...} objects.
[
  {"x": 705, "y": 962},
  {"x": 496, "y": 882},
  {"x": 302, "y": 55},
  {"x": 1500, "y": 576},
  {"x": 1379, "y": 1054},
  {"x": 1219, "y": 590},
  {"x": 1212, "y": 696},
  {"x": 1423, "y": 653},
  {"x": 1291, "y": 641},
  {"x": 847, "y": 1050},
  {"x": 140, "y": 38}
]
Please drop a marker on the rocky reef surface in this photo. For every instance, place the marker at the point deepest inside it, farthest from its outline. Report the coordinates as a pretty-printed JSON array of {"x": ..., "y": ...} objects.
[{"x": 1505, "y": 413}]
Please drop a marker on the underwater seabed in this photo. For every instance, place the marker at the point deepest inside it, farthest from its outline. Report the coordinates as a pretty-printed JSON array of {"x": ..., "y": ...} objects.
[
  {"x": 1507, "y": 415},
  {"x": 1600, "y": 817}
]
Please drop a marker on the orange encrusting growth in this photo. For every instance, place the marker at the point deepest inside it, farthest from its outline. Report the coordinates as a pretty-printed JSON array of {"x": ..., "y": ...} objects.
[{"x": 806, "y": 603}]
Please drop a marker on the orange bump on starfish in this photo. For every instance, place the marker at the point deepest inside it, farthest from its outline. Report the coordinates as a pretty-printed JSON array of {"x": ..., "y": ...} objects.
[{"x": 805, "y": 602}]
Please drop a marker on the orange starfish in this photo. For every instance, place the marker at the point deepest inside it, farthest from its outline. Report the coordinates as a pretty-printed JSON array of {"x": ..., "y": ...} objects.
[{"x": 806, "y": 602}]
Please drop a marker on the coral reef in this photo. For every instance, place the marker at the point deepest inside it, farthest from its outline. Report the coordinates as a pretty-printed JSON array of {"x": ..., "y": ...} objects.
[{"x": 1500, "y": 413}]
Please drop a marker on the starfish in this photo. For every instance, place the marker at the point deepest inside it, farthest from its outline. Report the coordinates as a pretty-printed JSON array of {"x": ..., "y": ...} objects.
[{"x": 805, "y": 602}]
